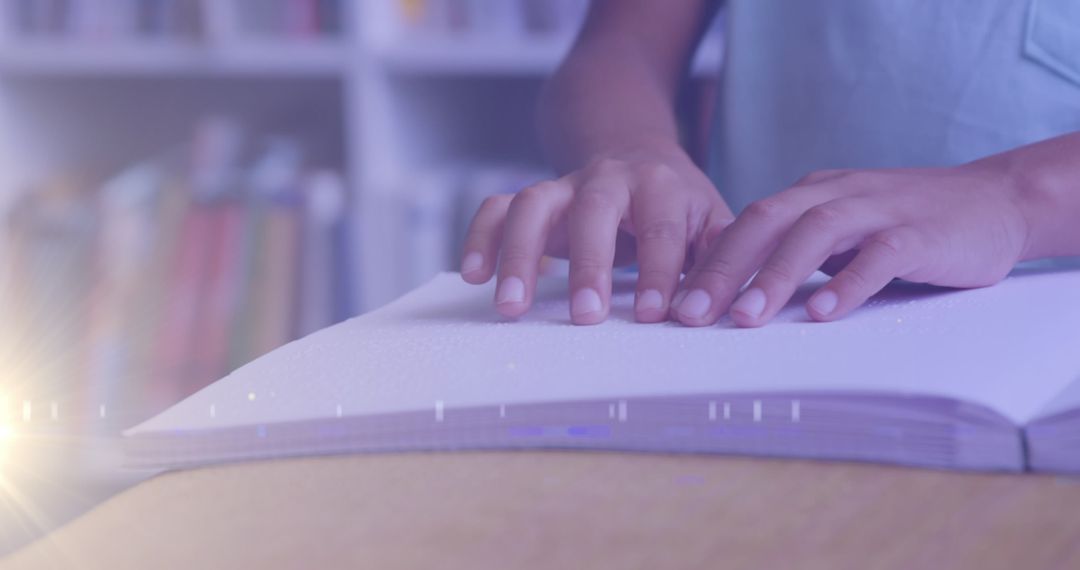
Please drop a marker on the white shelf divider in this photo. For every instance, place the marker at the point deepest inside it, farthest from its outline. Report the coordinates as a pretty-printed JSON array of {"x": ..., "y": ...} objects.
[{"x": 159, "y": 58}]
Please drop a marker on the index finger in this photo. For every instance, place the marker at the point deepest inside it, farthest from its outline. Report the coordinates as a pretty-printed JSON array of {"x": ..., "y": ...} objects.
[{"x": 532, "y": 213}]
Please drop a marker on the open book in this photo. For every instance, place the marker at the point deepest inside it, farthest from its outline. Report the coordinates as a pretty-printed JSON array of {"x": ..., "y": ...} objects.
[{"x": 978, "y": 379}]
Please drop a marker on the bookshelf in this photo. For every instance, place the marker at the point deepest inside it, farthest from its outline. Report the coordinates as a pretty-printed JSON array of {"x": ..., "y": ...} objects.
[
  {"x": 394, "y": 70},
  {"x": 422, "y": 106}
]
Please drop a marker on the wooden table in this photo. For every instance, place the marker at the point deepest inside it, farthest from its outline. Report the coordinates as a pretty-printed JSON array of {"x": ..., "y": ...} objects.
[{"x": 572, "y": 510}]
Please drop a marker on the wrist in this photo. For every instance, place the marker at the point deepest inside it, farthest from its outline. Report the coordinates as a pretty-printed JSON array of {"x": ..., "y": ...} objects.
[
  {"x": 640, "y": 148},
  {"x": 1039, "y": 193}
]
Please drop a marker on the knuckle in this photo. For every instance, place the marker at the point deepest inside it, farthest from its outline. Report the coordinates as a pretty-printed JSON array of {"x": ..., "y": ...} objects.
[
  {"x": 852, "y": 278},
  {"x": 655, "y": 174},
  {"x": 825, "y": 216},
  {"x": 646, "y": 195},
  {"x": 604, "y": 166},
  {"x": 767, "y": 210},
  {"x": 780, "y": 269},
  {"x": 528, "y": 197},
  {"x": 862, "y": 179},
  {"x": 816, "y": 176},
  {"x": 719, "y": 269},
  {"x": 479, "y": 232},
  {"x": 589, "y": 262},
  {"x": 538, "y": 191},
  {"x": 662, "y": 231},
  {"x": 514, "y": 256},
  {"x": 495, "y": 202},
  {"x": 593, "y": 201},
  {"x": 888, "y": 242}
]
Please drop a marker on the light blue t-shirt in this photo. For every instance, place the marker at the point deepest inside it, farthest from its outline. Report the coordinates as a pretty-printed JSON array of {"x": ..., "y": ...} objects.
[{"x": 817, "y": 84}]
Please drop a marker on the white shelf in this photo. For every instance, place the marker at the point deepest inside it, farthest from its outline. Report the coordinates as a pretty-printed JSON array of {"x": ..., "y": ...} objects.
[
  {"x": 452, "y": 55},
  {"x": 515, "y": 57},
  {"x": 248, "y": 57}
]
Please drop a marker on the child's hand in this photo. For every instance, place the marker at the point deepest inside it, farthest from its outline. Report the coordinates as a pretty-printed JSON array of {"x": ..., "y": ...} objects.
[
  {"x": 958, "y": 227},
  {"x": 650, "y": 207}
]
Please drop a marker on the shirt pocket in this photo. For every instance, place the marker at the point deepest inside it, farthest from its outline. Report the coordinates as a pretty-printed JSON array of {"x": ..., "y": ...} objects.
[{"x": 1052, "y": 36}]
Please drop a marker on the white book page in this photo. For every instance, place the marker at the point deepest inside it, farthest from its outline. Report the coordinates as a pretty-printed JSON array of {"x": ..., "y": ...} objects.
[
  {"x": 1011, "y": 347},
  {"x": 1068, "y": 400}
]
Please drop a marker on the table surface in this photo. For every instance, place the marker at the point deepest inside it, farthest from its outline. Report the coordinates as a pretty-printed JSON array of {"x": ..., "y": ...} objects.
[{"x": 572, "y": 510}]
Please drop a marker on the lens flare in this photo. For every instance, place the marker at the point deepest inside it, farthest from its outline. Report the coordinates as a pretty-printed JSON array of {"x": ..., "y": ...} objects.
[{"x": 7, "y": 437}]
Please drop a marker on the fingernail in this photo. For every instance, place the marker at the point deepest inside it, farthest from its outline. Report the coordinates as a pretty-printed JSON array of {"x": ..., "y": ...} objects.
[
  {"x": 695, "y": 304},
  {"x": 649, "y": 300},
  {"x": 472, "y": 262},
  {"x": 751, "y": 303},
  {"x": 511, "y": 290},
  {"x": 824, "y": 302},
  {"x": 675, "y": 302},
  {"x": 586, "y": 302}
]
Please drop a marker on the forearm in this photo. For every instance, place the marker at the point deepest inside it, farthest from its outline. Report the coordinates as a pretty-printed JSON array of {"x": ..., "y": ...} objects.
[
  {"x": 605, "y": 100},
  {"x": 1046, "y": 176},
  {"x": 616, "y": 92}
]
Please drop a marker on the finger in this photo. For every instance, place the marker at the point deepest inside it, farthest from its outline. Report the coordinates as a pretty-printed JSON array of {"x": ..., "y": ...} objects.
[
  {"x": 819, "y": 176},
  {"x": 882, "y": 257},
  {"x": 594, "y": 218},
  {"x": 525, "y": 232},
  {"x": 482, "y": 239},
  {"x": 732, "y": 257},
  {"x": 661, "y": 231},
  {"x": 741, "y": 249},
  {"x": 823, "y": 230}
]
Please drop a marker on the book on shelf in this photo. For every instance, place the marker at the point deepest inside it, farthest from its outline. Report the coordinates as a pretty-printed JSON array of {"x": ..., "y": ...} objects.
[
  {"x": 221, "y": 20},
  {"x": 493, "y": 18},
  {"x": 325, "y": 243},
  {"x": 262, "y": 19},
  {"x": 175, "y": 271},
  {"x": 982, "y": 379}
]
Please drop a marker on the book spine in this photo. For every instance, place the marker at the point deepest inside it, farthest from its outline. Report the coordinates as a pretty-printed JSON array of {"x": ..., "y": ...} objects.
[
  {"x": 245, "y": 317},
  {"x": 124, "y": 250},
  {"x": 301, "y": 18},
  {"x": 280, "y": 269},
  {"x": 151, "y": 393},
  {"x": 220, "y": 20},
  {"x": 184, "y": 309},
  {"x": 324, "y": 200},
  {"x": 210, "y": 355}
]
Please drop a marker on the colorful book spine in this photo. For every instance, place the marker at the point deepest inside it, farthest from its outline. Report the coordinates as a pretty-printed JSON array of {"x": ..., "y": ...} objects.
[
  {"x": 221, "y": 291},
  {"x": 493, "y": 17},
  {"x": 280, "y": 272},
  {"x": 186, "y": 294},
  {"x": 324, "y": 214},
  {"x": 176, "y": 19}
]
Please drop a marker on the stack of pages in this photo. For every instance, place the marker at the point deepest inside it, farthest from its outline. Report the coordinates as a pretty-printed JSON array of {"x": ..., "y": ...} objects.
[{"x": 978, "y": 379}]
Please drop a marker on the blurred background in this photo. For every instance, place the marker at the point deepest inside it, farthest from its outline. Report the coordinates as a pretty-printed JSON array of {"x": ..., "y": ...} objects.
[{"x": 188, "y": 184}]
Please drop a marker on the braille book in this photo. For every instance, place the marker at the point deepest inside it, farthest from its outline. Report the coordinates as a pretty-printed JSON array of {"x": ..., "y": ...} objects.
[{"x": 985, "y": 379}]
